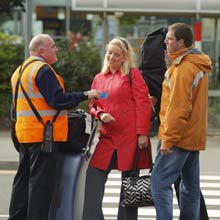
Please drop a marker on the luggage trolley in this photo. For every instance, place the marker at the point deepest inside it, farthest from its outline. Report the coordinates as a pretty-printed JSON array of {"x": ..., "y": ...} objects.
[{"x": 67, "y": 203}]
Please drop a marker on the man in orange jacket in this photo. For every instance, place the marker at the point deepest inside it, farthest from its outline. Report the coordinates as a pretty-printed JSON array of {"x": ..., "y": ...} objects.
[
  {"x": 153, "y": 63},
  {"x": 183, "y": 127}
]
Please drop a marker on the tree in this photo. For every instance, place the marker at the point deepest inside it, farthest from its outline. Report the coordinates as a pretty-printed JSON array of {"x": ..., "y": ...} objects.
[
  {"x": 78, "y": 65},
  {"x": 11, "y": 55},
  {"x": 7, "y": 6}
]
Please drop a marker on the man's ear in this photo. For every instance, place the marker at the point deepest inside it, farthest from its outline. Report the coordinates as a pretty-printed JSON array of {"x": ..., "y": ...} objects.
[
  {"x": 40, "y": 50},
  {"x": 181, "y": 43}
]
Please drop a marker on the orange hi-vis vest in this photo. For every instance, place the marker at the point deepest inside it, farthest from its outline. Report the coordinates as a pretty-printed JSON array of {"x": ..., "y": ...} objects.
[{"x": 28, "y": 128}]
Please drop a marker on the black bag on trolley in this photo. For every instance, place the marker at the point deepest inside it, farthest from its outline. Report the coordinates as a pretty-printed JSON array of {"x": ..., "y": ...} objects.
[{"x": 78, "y": 131}]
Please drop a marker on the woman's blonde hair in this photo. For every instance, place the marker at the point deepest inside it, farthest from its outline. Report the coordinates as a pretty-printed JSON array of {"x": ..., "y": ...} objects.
[{"x": 126, "y": 50}]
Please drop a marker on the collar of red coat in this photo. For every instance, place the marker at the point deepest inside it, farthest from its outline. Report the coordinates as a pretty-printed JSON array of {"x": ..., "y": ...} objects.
[{"x": 110, "y": 72}]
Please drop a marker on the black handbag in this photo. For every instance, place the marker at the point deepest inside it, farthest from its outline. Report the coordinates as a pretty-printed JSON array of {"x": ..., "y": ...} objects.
[{"x": 136, "y": 190}]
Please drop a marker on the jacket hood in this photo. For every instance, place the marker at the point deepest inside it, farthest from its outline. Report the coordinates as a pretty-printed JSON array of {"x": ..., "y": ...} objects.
[
  {"x": 203, "y": 62},
  {"x": 193, "y": 55}
]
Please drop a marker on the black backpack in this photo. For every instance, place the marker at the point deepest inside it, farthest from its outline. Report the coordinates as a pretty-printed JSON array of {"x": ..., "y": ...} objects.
[
  {"x": 152, "y": 63},
  {"x": 153, "y": 67}
]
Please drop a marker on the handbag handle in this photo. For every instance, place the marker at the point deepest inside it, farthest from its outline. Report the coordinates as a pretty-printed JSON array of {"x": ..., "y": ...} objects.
[{"x": 135, "y": 172}]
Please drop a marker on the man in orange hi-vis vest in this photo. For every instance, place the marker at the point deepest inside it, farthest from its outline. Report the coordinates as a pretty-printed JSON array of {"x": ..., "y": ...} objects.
[{"x": 35, "y": 179}]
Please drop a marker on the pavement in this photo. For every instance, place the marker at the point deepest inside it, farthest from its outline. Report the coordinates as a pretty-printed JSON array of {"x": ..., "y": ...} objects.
[
  {"x": 9, "y": 156},
  {"x": 210, "y": 179}
]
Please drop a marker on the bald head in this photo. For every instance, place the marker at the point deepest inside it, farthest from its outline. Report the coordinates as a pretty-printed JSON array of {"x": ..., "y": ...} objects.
[
  {"x": 38, "y": 41},
  {"x": 42, "y": 45}
]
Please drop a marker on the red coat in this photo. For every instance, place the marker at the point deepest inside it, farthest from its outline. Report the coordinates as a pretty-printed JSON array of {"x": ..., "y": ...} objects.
[{"x": 129, "y": 104}]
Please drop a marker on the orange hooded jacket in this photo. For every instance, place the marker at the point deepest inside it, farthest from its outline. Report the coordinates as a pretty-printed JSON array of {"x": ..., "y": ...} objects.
[{"x": 184, "y": 105}]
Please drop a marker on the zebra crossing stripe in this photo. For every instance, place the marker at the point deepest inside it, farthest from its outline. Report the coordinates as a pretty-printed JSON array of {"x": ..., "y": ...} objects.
[{"x": 210, "y": 185}]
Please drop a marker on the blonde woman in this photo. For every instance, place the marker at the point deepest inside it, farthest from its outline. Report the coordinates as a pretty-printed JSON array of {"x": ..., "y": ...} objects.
[{"x": 125, "y": 116}]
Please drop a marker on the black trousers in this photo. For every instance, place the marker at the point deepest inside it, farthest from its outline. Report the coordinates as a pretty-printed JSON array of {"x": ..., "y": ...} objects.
[
  {"x": 94, "y": 193},
  {"x": 33, "y": 184},
  {"x": 203, "y": 210}
]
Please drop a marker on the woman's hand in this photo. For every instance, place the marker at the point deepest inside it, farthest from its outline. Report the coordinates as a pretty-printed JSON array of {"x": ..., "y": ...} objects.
[
  {"x": 142, "y": 141},
  {"x": 106, "y": 117}
]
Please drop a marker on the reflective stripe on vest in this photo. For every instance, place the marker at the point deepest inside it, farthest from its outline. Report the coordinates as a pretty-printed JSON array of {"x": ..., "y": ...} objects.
[
  {"x": 28, "y": 113},
  {"x": 30, "y": 92}
]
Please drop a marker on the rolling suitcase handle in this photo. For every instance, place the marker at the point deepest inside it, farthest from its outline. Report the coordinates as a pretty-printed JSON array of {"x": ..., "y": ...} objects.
[{"x": 95, "y": 124}]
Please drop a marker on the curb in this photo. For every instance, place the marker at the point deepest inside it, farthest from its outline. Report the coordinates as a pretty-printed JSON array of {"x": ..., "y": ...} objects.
[{"x": 8, "y": 165}]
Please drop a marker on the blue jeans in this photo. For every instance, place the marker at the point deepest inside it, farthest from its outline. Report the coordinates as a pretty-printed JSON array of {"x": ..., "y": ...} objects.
[{"x": 165, "y": 172}]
